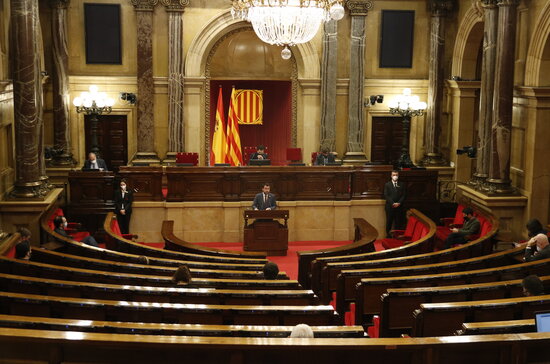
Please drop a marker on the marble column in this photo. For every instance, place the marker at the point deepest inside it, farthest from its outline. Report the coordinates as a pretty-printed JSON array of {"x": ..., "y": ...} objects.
[
  {"x": 490, "y": 17},
  {"x": 329, "y": 75},
  {"x": 432, "y": 128},
  {"x": 146, "y": 94},
  {"x": 356, "y": 124},
  {"x": 176, "y": 127},
  {"x": 27, "y": 99},
  {"x": 498, "y": 180},
  {"x": 61, "y": 103}
]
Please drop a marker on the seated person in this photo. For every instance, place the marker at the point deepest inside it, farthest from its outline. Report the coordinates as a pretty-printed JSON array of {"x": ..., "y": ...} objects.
[
  {"x": 260, "y": 153},
  {"x": 265, "y": 200},
  {"x": 532, "y": 286},
  {"x": 460, "y": 236},
  {"x": 23, "y": 247},
  {"x": 302, "y": 331},
  {"x": 537, "y": 248},
  {"x": 60, "y": 223},
  {"x": 271, "y": 271},
  {"x": 182, "y": 275},
  {"x": 94, "y": 163},
  {"x": 324, "y": 158}
]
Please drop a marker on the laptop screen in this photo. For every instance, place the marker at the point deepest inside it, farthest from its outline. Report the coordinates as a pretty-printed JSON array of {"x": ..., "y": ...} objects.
[{"x": 542, "y": 320}]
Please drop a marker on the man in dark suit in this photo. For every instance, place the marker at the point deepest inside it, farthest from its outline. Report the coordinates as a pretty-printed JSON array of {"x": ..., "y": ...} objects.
[
  {"x": 260, "y": 153},
  {"x": 95, "y": 163},
  {"x": 394, "y": 194},
  {"x": 60, "y": 223},
  {"x": 265, "y": 200},
  {"x": 123, "y": 207},
  {"x": 324, "y": 158},
  {"x": 460, "y": 236}
]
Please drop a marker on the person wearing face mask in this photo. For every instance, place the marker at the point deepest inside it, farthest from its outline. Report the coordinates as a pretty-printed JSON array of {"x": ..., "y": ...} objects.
[
  {"x": 537, "y": 248},
  {"x": 123, "y": 207},
  {"x": 94, "y": 164},
  {"x": 60, "y": 224},
  {"x": 394, "y": 194},
  {"x": 460, "y": 236}
]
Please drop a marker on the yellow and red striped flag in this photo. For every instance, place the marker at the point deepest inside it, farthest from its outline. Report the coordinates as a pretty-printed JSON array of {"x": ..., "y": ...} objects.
[
  {"x": 249, "y": 106},
  {"x": 219, "y": 140},
  {"x": 234, "y": 154}
]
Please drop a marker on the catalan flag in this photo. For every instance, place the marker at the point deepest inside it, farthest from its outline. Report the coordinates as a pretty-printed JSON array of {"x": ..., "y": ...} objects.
[
  {"x": 234, "y": 154},
  {"x": 249, "y": 106},
  {"x": 218, "y": 150}
]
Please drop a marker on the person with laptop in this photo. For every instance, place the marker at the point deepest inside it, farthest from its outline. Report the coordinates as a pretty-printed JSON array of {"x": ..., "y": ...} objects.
[
  {"x": 94, "y": 163},
  {"x": 324, "y": 158},
  {"x": 537, "y": 248},
  {"x": 260, "y": 153}
]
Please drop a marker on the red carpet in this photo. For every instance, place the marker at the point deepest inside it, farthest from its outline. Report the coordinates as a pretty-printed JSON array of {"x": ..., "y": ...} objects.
[{"x": 288, "y": 264}]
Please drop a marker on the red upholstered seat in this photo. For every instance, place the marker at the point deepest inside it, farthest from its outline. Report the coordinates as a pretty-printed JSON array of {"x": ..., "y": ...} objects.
[
  {"x": 408, "y": 232},
  {"x": 374, "y": 330},
  {"x": 187, "y": 158},
  {"x": 115, "y": 228},
  {"x": 314, "y": 157},
  {"x": 414, "y": 225},
  {"x": 71, "y": 229},
  {"x": 349, "y": 316}
]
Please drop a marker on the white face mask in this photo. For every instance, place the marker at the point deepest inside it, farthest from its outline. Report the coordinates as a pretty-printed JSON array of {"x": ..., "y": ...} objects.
[
  {"x": 395, "y": 178},
  {"x": 65, "y": 224},
  {"x": 123, "y": 187}
]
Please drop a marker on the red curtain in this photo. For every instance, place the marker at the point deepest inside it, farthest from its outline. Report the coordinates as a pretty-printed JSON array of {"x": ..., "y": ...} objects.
[{"x": 274, "y": 133}]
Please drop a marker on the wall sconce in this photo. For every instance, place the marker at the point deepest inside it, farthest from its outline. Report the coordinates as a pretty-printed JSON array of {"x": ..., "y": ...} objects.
[
  {"x": 373, "y": 99},
  {"x": 128, "y": 97}
]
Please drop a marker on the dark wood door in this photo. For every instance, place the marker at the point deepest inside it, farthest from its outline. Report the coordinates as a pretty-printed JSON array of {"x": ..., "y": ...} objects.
[
  {"x": 387, "y": 139},
  {"x": 112, "y": 135}
]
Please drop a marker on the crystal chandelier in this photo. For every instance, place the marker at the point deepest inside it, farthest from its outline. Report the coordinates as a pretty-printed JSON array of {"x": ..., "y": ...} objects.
[{"x": 287, "y": 22}]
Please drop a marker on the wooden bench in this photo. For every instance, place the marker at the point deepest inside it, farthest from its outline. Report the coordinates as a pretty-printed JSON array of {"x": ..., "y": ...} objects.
[
  {"x": 76, "y": 346},
  {"x": 68, "y": 260},
  {"x": 178, "y": 294},
  {"x": 497, "y": 327},
  {"x": 139, "y": 311},
  {"x": 172, "y": 242},
  {"x": 437, "y": 319},
  {"x": 146, "y": 328},
  {"x": 129, "y": 246},
  {"x": 369, "y": 290},
  {"x": 49, "y": 271},
  {"x": 478, "y": 247},
  {"x": 365, "y": 235},
  {"x": 398, "y": 304},
  {"x": 345, "y": 280},
  {"x": 423, "y": 245}
]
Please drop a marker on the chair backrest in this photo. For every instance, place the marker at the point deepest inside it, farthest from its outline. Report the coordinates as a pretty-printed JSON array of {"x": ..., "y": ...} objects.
[
  {"x": 411, "y": 224},
  {"x": 418, "y": 230},
  {"x": 294, "y": 154},
  {"x": 115, "y": 228},
  {"x": 459, "y": 218},
  {"x": 191, "y": 158}
]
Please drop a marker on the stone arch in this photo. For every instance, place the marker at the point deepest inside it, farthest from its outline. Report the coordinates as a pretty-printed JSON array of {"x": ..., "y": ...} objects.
[
  {"x": 468, "y": 41},
  {"x": 538, "y": 54},
  {"x": 307, "y": 58}
]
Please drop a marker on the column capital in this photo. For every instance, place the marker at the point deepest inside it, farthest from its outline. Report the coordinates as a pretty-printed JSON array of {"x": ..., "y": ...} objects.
[
  {"x": 441, "y": 7},
  {"x": 488, "y": 4},
  {"x": 175, "y": 5},
  {"x": 359, "y": 7},
  {"x": 508, "y": 2},
  {"x": 59, "y": 4},
  {"x": 144, "y": 5}
]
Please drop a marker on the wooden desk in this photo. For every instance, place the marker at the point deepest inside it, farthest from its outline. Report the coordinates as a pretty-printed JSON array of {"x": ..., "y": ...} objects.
[
  {"x": 265, "y": 233},
  {"x": 91, "y": 192},
  {"x": 147, "y": 181}
]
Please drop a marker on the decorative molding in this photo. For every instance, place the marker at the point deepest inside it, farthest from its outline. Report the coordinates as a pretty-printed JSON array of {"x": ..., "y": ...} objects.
[
  {"x": 59, "y": 4},
  {"x": 144, "y": 5},
  {"x": 359, "y": 7},
  {"x": 175, "y": 5},
  {"x": 534, "y": 64}
]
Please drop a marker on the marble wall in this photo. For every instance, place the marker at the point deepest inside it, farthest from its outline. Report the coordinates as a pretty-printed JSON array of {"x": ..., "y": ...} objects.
[{"x": 223, "y": 221}]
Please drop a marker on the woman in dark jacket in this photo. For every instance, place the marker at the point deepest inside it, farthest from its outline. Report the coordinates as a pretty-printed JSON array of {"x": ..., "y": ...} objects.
[{"x": 123, "y": 207}]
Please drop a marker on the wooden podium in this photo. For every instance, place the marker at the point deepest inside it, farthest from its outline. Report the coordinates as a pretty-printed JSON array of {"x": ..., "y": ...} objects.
[{"x": 265, "y": 233}]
